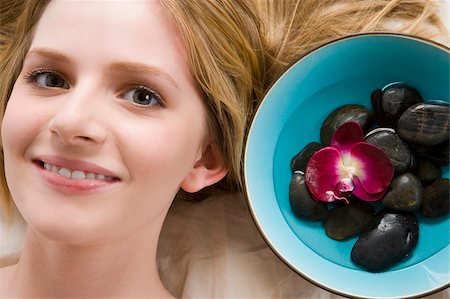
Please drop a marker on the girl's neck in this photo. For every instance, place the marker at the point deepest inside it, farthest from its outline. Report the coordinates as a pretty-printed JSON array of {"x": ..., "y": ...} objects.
[{"x": 124, "y": 268}]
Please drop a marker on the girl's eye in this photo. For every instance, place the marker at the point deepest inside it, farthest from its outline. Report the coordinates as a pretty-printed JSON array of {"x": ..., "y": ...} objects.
[
  {"x": 47, "y": 79},
  {"x": 143, "y": 96}
]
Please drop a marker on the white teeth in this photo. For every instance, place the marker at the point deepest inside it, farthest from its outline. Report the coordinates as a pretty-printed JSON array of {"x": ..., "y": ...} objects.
[
  {"x": 65, "y": 172},
  {"x": 76, "y": 174}
]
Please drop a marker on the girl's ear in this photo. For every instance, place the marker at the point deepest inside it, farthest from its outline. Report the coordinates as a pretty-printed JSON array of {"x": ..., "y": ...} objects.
[{"x": 208, "y": 170}]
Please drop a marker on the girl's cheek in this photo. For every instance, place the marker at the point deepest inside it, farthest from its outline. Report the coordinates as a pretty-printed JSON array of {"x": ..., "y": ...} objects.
[{"x": 20, "y": 123}]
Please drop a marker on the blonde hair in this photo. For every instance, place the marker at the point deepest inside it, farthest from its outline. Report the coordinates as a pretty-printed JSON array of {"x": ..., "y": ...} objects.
[
  {"x": 236, "y": 49},
  {"x": 18, "y": 19},
  {"x": 294, "y": 27},
  {"x": 239, "y": 47}
]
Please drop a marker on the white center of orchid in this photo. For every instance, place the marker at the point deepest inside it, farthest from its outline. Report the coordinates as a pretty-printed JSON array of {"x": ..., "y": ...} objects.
[
  {"x": 351, "y": 170},
  {"x": 349, "y": 167}
]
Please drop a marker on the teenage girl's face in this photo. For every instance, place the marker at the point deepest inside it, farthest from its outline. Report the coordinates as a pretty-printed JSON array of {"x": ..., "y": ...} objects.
[{"x": 104, "y": 122}]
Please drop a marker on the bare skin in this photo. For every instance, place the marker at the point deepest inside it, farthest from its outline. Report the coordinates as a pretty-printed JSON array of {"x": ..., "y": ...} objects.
[
  {"x": 90, "y": 91},
  {"x": 85, "y": 272}
]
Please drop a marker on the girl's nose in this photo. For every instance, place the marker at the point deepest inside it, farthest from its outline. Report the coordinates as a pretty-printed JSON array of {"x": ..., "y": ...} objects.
[{"x": 78, "y": 122}]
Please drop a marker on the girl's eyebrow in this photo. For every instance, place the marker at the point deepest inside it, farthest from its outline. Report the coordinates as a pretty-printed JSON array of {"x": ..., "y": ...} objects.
[
  {"x": 115, "y": 66},
  {"x": 49, "y": 53},
  {"x": 140, "y": 69}
]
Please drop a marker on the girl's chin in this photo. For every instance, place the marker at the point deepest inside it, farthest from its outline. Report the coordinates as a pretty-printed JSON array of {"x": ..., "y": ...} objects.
[{"x": 66, "y": 230}]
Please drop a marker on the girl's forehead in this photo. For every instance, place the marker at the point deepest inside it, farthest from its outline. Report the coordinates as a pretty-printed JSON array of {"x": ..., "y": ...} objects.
[
  {"x": 100, "y": 33},
  {"x": 102, "y": 20},
  {"x": 130, "y": 30}
]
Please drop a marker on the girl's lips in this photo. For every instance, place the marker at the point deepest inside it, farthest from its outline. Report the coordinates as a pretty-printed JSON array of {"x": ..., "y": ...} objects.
[
  {"x": 73, "y": 175},
  {"x": 75, "y": 165}
]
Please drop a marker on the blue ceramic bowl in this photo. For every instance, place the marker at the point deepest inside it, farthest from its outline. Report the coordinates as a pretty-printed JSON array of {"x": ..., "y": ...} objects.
[{"x": 343, "y": 71}]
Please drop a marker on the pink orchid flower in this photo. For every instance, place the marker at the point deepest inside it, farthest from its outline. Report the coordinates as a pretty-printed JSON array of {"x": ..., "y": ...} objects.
[{"x": 349, "y": 166}]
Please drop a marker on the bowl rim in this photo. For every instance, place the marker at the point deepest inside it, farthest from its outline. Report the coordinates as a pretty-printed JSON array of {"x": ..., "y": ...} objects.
[
  {"x": 248, "y": 133},
  {"x": 332, "y": 41}
]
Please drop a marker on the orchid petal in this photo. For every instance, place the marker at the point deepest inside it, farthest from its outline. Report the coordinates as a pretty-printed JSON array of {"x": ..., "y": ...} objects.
[
  {"x": 372, "y": 167},
  {"x": 323, "y": 173},
  {"x": 361, "y": 193},
  {"x": 346, "y": 135}
]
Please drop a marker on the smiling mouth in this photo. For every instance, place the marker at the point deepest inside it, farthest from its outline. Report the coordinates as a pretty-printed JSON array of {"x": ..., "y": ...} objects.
[{"x": 74, "y": 174}]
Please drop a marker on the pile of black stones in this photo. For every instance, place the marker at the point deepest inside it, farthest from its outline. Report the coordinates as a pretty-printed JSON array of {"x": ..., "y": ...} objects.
[{"x": 414, "y": 134}]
